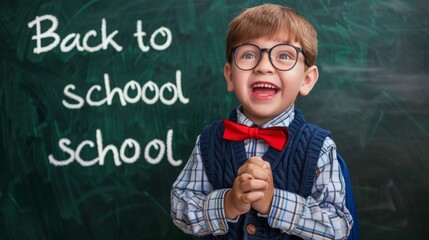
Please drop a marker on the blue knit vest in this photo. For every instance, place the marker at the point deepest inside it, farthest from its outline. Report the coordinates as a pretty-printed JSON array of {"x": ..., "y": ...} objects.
[{"x": 293, "y": 168}]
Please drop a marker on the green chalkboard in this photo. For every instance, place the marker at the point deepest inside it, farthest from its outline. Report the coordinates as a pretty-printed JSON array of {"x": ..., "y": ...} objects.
[{"x": 101, "y": 103}]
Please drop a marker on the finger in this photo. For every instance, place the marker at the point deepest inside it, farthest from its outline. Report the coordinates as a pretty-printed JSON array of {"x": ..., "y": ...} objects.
[
  {"x": 255, "y": 162},
  {"x": 244, "y": 177},
  {"x": 252, "y": 196},
  {"x": 247, "y": 166},
  {"x": 253, "y": 185},
  {"x": 266, "y": 165},
  {"x": 258, "y": 161},
  {"x": 259, "y": 173}
]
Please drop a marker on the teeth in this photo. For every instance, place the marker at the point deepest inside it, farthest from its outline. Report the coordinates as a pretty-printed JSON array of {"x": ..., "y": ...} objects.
[{"x": 264, "y": 85}]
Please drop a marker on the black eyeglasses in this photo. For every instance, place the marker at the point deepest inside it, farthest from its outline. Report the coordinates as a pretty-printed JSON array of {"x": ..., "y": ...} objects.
[{"x": 282, "y": 56}]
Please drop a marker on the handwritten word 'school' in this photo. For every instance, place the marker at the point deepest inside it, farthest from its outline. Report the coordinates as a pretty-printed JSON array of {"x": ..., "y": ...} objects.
[
  {"x": 159, "y": 147},
  {"x": 81, "y": 43}
]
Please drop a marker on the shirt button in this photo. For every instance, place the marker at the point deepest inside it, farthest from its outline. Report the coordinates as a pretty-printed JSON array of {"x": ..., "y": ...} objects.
[{"x": 251, "y": 229}]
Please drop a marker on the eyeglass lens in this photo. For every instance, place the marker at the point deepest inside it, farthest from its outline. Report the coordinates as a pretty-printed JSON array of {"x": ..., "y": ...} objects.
[{"x": 283, "y": 57}]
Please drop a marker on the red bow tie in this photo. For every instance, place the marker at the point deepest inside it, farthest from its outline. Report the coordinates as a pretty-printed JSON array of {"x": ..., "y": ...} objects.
[{"x": 276, "y": 137}]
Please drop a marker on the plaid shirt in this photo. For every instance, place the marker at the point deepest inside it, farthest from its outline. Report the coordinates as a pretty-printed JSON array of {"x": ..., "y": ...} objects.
[{"x": 198, "y": 209}]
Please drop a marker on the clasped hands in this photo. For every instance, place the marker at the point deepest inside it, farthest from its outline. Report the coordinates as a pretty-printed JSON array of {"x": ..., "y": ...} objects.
[{"x": 252, "y": 188}]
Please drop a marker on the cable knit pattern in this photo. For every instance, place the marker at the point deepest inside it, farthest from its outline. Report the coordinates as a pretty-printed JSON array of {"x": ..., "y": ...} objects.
[{"x": 293, "y": 167}]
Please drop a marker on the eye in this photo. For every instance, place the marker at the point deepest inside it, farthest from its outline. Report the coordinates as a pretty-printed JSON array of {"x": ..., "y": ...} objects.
[
  {"x": 248, "y": 55},
  {"x": 247, "y": 52},
  {"x": 284, "y": 56}
]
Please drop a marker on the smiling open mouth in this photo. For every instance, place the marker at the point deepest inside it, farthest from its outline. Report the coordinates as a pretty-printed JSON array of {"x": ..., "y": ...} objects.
[{"x": 264, "y": 89}]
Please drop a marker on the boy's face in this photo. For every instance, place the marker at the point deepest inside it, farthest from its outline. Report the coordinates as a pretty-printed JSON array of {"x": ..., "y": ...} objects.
[{"x": 265, "y": 92}]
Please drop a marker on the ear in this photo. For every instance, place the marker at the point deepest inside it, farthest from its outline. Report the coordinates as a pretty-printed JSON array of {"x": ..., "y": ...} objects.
[
  {"x": 310, "y": 79},
  {"x": 227, "y": 71}
]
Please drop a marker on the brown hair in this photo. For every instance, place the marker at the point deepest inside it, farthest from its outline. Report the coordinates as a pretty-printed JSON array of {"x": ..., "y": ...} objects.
[{"x": 269, "y": 20}]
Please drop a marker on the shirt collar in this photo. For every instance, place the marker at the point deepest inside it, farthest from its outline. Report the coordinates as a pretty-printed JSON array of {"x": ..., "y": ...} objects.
[{"x": 282, "y": 120}]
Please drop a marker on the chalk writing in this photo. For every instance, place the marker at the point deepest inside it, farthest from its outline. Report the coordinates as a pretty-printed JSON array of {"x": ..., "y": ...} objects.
[
  {"x": 165, "y": 32},
  {"x": 132, "y": 93},
  {"x": 119, "y": 156},
  {"x": 76, "y": 41},
  {"x": 72, "y": 40}
]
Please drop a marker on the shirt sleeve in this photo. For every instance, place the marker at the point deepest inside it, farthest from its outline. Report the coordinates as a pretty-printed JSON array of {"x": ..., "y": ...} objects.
[
  {"x": 322, "y": 215},
  {"x": 195, "y": 208}
]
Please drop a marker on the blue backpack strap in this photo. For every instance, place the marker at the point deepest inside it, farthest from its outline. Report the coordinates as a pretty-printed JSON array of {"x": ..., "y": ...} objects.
[{"x": 350, "y": 203}]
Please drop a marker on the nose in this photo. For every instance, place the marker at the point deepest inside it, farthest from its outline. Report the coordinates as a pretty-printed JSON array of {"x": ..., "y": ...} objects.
[{"x": 265, "y": 64}]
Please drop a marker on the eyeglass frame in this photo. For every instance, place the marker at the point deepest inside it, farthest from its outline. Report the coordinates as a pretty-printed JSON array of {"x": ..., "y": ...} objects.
[{"x": 268, "y": 50}]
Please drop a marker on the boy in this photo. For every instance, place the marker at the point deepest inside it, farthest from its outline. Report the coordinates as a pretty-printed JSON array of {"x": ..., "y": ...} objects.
[{"x": 239, "y": 187}]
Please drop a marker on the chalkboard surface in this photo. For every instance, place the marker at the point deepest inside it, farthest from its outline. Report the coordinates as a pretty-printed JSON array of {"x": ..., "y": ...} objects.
[{"x": 102, "y": 101}]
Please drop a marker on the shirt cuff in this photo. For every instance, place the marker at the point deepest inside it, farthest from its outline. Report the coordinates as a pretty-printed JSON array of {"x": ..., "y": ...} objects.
[
  {"x": 285, "y": 210},
  {"x": 214, "y": 212}
]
